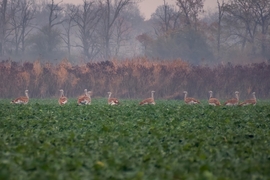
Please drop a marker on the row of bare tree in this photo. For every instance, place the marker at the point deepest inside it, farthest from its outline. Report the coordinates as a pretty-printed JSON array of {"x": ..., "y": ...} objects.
[
  {"x": 105, "y": 29},
  {"x": 234, "y": 28},
  {"x": 99, "y": 28}
]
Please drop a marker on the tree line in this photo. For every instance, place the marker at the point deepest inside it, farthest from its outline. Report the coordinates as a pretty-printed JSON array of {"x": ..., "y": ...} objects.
[
  {"x": 235, "y": 30},
  {"x": 96, "y": 29}
]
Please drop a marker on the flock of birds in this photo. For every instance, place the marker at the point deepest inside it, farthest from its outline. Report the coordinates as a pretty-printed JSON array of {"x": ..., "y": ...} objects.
[
  {"x": 85, "y": 99},
  {"x": 215, "y": 102}
]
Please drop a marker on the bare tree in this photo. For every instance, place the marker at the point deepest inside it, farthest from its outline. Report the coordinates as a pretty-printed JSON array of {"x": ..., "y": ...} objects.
[
  {"x": 165, "y": 19},
  {"x": 68, "y": 24},
  {"x": 87, "y": 17},
  {"x": 126, "y": 29},
  {"x": 111, "y": 10},
  {"x": 220, "y": 16},
  {"x": 190, "y": 9},
  {"x": 3, "y": 25},
  {"x": 46, "y": 40},
  {"x": 121, "y": 33},
  {"x": 55, "y": 19},
  {"x": 261, "y": 10},
  {"x": 22, "y": 13},
  {"x": 240, "y": 19}
]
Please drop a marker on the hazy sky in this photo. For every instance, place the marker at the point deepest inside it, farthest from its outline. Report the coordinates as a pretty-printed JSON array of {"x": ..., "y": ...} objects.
[{"x": 147, "y": 7}]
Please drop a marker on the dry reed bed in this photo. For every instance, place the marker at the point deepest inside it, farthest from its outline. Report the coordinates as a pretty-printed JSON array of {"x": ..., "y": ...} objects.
[{"x": 133, "y": 78}]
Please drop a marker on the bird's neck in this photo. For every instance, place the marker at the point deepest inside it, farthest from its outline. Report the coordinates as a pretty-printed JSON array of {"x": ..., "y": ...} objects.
[
  {"x": 237, "y": 97},
  {"x": 26, "y": 94},
  {"x": 152, "y": 95}
]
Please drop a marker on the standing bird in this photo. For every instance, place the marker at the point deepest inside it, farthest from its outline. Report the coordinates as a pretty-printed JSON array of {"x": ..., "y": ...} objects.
[
  {"x": 213, "y": 101},
  {"x": 84, "y": 99},
  {"x": 22, "y": 99},
  {"x": 62, "y": 99},
  {"x": 149, "y": 100},
  {"x": 112, "y": 101},
  {"x": 249, "y": 101},
  {"x": 233, "y": 101},
  {"x": 190, "y": 100}
]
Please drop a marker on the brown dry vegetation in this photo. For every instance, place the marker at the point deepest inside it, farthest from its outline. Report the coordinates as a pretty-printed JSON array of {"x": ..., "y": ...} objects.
[{"x": 133, "y": 78}]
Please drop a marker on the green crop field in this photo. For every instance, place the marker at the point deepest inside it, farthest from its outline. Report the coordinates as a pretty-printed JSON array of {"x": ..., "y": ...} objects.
[{"x": 42, "y": 140}]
